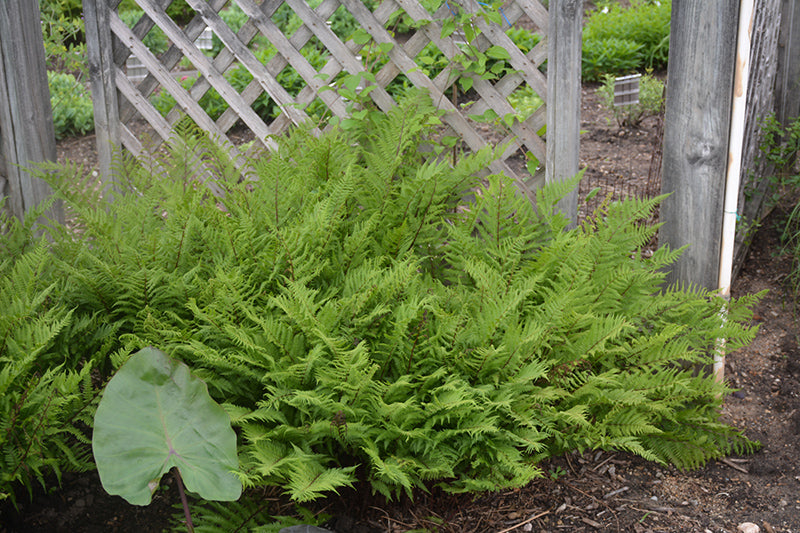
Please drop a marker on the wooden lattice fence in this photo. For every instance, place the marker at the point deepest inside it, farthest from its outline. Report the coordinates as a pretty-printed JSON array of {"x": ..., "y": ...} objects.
[{"x": 370, "y": 51}]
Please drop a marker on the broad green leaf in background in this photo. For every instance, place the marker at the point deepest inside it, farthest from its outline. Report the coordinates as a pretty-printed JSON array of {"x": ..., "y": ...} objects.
[
  {"x": 155, "y": 415},
  {"x": 498, "y": 52}
]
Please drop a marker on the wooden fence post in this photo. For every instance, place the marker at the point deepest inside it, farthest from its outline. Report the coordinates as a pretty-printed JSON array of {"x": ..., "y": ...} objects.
[
  {"x": 564, "y": 97},
  {"x": 696, "y": 130},
  {"x": 100, "y": 56},
  {"x": 26, "y": 121}
]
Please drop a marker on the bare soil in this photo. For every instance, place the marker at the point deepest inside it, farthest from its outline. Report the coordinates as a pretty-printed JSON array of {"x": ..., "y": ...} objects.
[{"x": 599, "y": 491}]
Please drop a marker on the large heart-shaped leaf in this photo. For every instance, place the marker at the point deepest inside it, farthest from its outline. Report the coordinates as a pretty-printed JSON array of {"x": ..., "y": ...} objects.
[{"x": 155, "y": 415}]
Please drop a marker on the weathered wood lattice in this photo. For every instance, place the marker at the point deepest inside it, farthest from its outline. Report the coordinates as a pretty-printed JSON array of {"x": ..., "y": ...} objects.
[{"x": 381, "y": 57}]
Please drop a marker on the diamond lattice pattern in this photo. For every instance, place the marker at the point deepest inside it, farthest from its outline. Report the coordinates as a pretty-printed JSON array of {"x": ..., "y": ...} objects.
[{"x": 273, "y": 64}]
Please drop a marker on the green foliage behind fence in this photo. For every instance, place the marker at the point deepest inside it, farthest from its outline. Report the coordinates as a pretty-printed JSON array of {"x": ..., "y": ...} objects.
[
  {"x": 71, "y": 104},
  {"x": 618, "y": 40}
]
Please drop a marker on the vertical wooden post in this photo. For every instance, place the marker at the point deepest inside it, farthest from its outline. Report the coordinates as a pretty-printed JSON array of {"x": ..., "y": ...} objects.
[
  {"x": 564, "y": 97},
  {"x": 696, "y": 130},
  {"x": 100, "y": 55},
  {"x": 26, "y": 120},
  {"x": 787, "y": 86}
]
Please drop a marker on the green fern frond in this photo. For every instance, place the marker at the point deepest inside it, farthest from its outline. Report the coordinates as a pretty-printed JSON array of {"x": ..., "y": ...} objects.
[
  {"x": 310, "y": 478},
  {"x": 252, "y": 513}
]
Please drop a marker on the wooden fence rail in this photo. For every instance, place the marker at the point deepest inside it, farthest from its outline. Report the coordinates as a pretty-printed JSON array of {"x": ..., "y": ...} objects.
[{"x": 381, "y": 58}]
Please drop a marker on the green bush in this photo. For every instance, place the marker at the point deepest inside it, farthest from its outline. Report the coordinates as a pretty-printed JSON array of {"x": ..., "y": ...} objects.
[
  {"x": 524, "y": 38},
  {"x": 612, "y": 55},
  {"x": 342, "y": 23},
  {"x": 430, "y": 59},
  {"x": 211, "y": 102},
  {"x": 63, "y": 34},
  {"x": 617, "y": 40},
  {"x": 651, "y": 100},
  {"x": 780, "y": 146},
  {"x": 361, "y": 312},
  {"x": 525, "y": 101},
  {"x": 72, "y": 105}
]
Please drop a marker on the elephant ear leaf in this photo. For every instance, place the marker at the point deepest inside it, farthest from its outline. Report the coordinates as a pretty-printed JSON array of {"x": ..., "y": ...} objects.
[{"x": 154, "y": 415}]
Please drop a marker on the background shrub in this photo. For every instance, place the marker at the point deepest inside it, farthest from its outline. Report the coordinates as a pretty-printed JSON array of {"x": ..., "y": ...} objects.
[
  {"x": 611, "y": 55},
  {"x": 235, "y": 18},
  {"x": 63, "y": 33},
  {"x": 178, "y": 10},
  {"x": 240, "y": 77},
  {"x": 617, "y": 40},
  {"x": 525, "y": 101},
  {"x": 77, "y": 120},
  {"x": 780, "y": 147},
  {"x": 72, "y": 105}
]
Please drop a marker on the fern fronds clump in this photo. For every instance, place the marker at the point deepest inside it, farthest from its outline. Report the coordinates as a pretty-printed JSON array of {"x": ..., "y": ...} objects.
[
  {"x": 45, "y": 394},
  {"x": 364, "y": 311}
]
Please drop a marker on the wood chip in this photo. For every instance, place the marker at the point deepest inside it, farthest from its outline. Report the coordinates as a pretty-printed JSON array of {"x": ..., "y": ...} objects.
[
  {"x": 615, "y": 492},
  {"x": 662, "y": 509},
  {"x": 733, "y": 465},
  {"x": 529, "y": 520},
  {"x": 596, "y": 525}
]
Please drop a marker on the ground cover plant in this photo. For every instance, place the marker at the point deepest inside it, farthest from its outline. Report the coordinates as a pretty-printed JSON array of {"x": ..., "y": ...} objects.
[{"x": 363, "y": 313}]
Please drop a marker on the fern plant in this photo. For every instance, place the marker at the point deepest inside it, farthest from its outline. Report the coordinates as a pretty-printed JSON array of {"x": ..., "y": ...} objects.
[
  {"x": 45, "y": 395},
  {"x": 363, "y": 309},
  {"x": 252, "y": 514}
]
